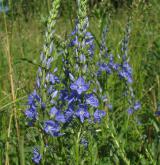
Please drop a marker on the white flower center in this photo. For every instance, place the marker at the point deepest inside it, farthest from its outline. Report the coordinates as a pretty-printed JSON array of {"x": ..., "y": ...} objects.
[{"x": 81, "y": 112}]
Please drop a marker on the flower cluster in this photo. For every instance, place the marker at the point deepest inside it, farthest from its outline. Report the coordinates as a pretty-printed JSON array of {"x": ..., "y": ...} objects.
[
  {"x": 106, "y": 62},
  {"x": 109, "y": 67},
  {"x": 72, "y": 93},
  {"x": 87, "y": 40},
  {"x": 60, "y": 98},
  {"x": 123, "y": 69},
  {"x": 126, "y": 71},
  {"x": 127, "y": 74},
  {"x": 33, "y": 101}
]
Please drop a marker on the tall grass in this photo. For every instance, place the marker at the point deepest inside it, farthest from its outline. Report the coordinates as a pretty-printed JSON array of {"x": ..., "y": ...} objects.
[{"x": 133, "y": 140}]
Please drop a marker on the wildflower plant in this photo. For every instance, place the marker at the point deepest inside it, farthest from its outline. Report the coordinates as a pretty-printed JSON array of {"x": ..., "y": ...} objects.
[
  {"x": 126, "y": 73},
  {"x": 68, "y": 101},
  {"x": 41, "y": 99}
]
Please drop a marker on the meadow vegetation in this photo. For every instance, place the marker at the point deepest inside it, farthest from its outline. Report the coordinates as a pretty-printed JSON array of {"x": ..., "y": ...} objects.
[{"x": 122, "y": 136}]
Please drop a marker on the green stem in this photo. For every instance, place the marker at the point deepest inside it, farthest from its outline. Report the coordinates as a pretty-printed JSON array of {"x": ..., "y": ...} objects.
[{"x": 77, "y": 158}]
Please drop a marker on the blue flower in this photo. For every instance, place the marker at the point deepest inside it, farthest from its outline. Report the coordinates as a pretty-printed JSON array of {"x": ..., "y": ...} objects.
[
  {"x": 74, "y": 42},
  {"x": 69, "y": 114},
  {"x": 82, "y": 112},
  {"x": 63, "y": 95},
  {"x": 71, "y": 98},
  {"x": 51, "y": 127},
  {"x": 60, "y": 117},
  {"x": 92, "y": 100},
  {"x": 79, "y": 85},
  {"x": 115, "y": 66},
  {"x": 98, "y": 114},
  {"x": 31, "y": 113},
  {"x": 104, "y": 67},
  {"x": 36, "y": 156},
  {"x": 52, "y": 78},
  {"x": 53, "y": 111},
  {"x": 125, "y": 75},
  {"x": 74, "y": 96},
  {"x": 33, "y": 101},
  {"x": 48, "y": 62},
  {"x": 112, "y": 64},
  {"x": 130, "y": 111},
  {"x": 126, "y": 72},
  {"x": 57, "y": 134},
  {"x": 89, "y": 39},
  {"x": 137, "y": 105},
  {"x": 33, "y": 97},
  {"x": 66, "y": 96}
]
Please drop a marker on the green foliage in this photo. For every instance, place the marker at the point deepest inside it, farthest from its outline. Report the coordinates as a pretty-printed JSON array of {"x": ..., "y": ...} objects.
[{"x": 120, "y": 139}]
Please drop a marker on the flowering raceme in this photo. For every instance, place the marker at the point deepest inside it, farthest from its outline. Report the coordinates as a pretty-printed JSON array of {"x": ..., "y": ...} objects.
[
  {"x": 126, "y": 71},
  {"x": 64, "y": 101},
  {"x": 75, "y": 97},
  {"x": 123, "y": 69}
]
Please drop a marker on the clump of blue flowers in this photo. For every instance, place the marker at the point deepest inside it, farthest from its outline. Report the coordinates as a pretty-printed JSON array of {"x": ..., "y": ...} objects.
[
  {"x": 71, "y": 95},
  {"x": 64, "y": 94}
]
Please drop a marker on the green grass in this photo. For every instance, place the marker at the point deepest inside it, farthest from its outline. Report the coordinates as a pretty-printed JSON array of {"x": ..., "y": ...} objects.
[{"x": 129, "y": 143}]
